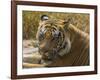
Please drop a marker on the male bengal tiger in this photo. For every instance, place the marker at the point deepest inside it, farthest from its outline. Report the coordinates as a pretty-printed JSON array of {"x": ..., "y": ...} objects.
[{"x": 61, "y": 43}]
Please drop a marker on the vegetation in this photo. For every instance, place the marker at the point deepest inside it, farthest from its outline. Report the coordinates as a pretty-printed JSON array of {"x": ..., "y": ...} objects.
[{"x": 31, "y": 21}]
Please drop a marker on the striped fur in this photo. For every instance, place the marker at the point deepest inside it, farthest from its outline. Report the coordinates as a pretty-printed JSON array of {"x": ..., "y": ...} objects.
[{"x": 62, "y": 44}]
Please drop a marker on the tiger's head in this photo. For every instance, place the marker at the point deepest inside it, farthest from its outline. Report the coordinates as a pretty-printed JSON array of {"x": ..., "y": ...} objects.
[{"x": 54, "y": 40}]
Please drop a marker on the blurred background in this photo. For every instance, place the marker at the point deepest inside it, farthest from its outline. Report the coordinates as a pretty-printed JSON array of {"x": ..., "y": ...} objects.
[{"x": 31, "y": 21}]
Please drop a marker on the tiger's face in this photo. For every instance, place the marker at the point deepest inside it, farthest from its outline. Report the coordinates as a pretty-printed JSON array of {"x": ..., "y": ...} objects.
[{"x": 53, "y": 40}]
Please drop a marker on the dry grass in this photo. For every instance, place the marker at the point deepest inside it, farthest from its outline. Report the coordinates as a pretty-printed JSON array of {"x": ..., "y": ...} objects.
[{"x": 31, "y": 21}]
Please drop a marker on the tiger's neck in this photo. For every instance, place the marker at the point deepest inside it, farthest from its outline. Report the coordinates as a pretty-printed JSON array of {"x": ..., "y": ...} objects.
[
  {"x": 76, "y": 33},
  {"x": 79, "y": 52}
]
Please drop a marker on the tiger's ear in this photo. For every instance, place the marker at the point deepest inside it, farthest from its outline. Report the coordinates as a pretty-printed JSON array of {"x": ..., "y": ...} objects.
[
  {"x": 66, "y": 23},
  {"x": 44, "y": 17}
]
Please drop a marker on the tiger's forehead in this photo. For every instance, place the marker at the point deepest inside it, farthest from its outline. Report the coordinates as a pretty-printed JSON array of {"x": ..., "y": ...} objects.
[{"x": 51, "y": 23}]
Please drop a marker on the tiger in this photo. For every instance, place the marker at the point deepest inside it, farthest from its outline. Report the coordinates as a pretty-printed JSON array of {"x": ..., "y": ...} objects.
[{"x": 61, "y": 44}]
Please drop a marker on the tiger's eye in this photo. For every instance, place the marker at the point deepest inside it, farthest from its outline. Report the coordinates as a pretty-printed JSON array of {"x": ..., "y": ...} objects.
[{"x": 41, "y": 36}]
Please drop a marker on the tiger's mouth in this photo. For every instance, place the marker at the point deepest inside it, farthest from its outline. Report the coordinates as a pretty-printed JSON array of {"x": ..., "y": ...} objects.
[
  {"x": 51, "y": 55},
  {"x": 45, "y": 62},
  {"x": 46, "y": 59}
]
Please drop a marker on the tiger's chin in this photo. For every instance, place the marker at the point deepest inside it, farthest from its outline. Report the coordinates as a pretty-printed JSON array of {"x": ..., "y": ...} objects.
[
  {"x": 46, "y": 62},
  {"x": 62, "y": 52}
]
